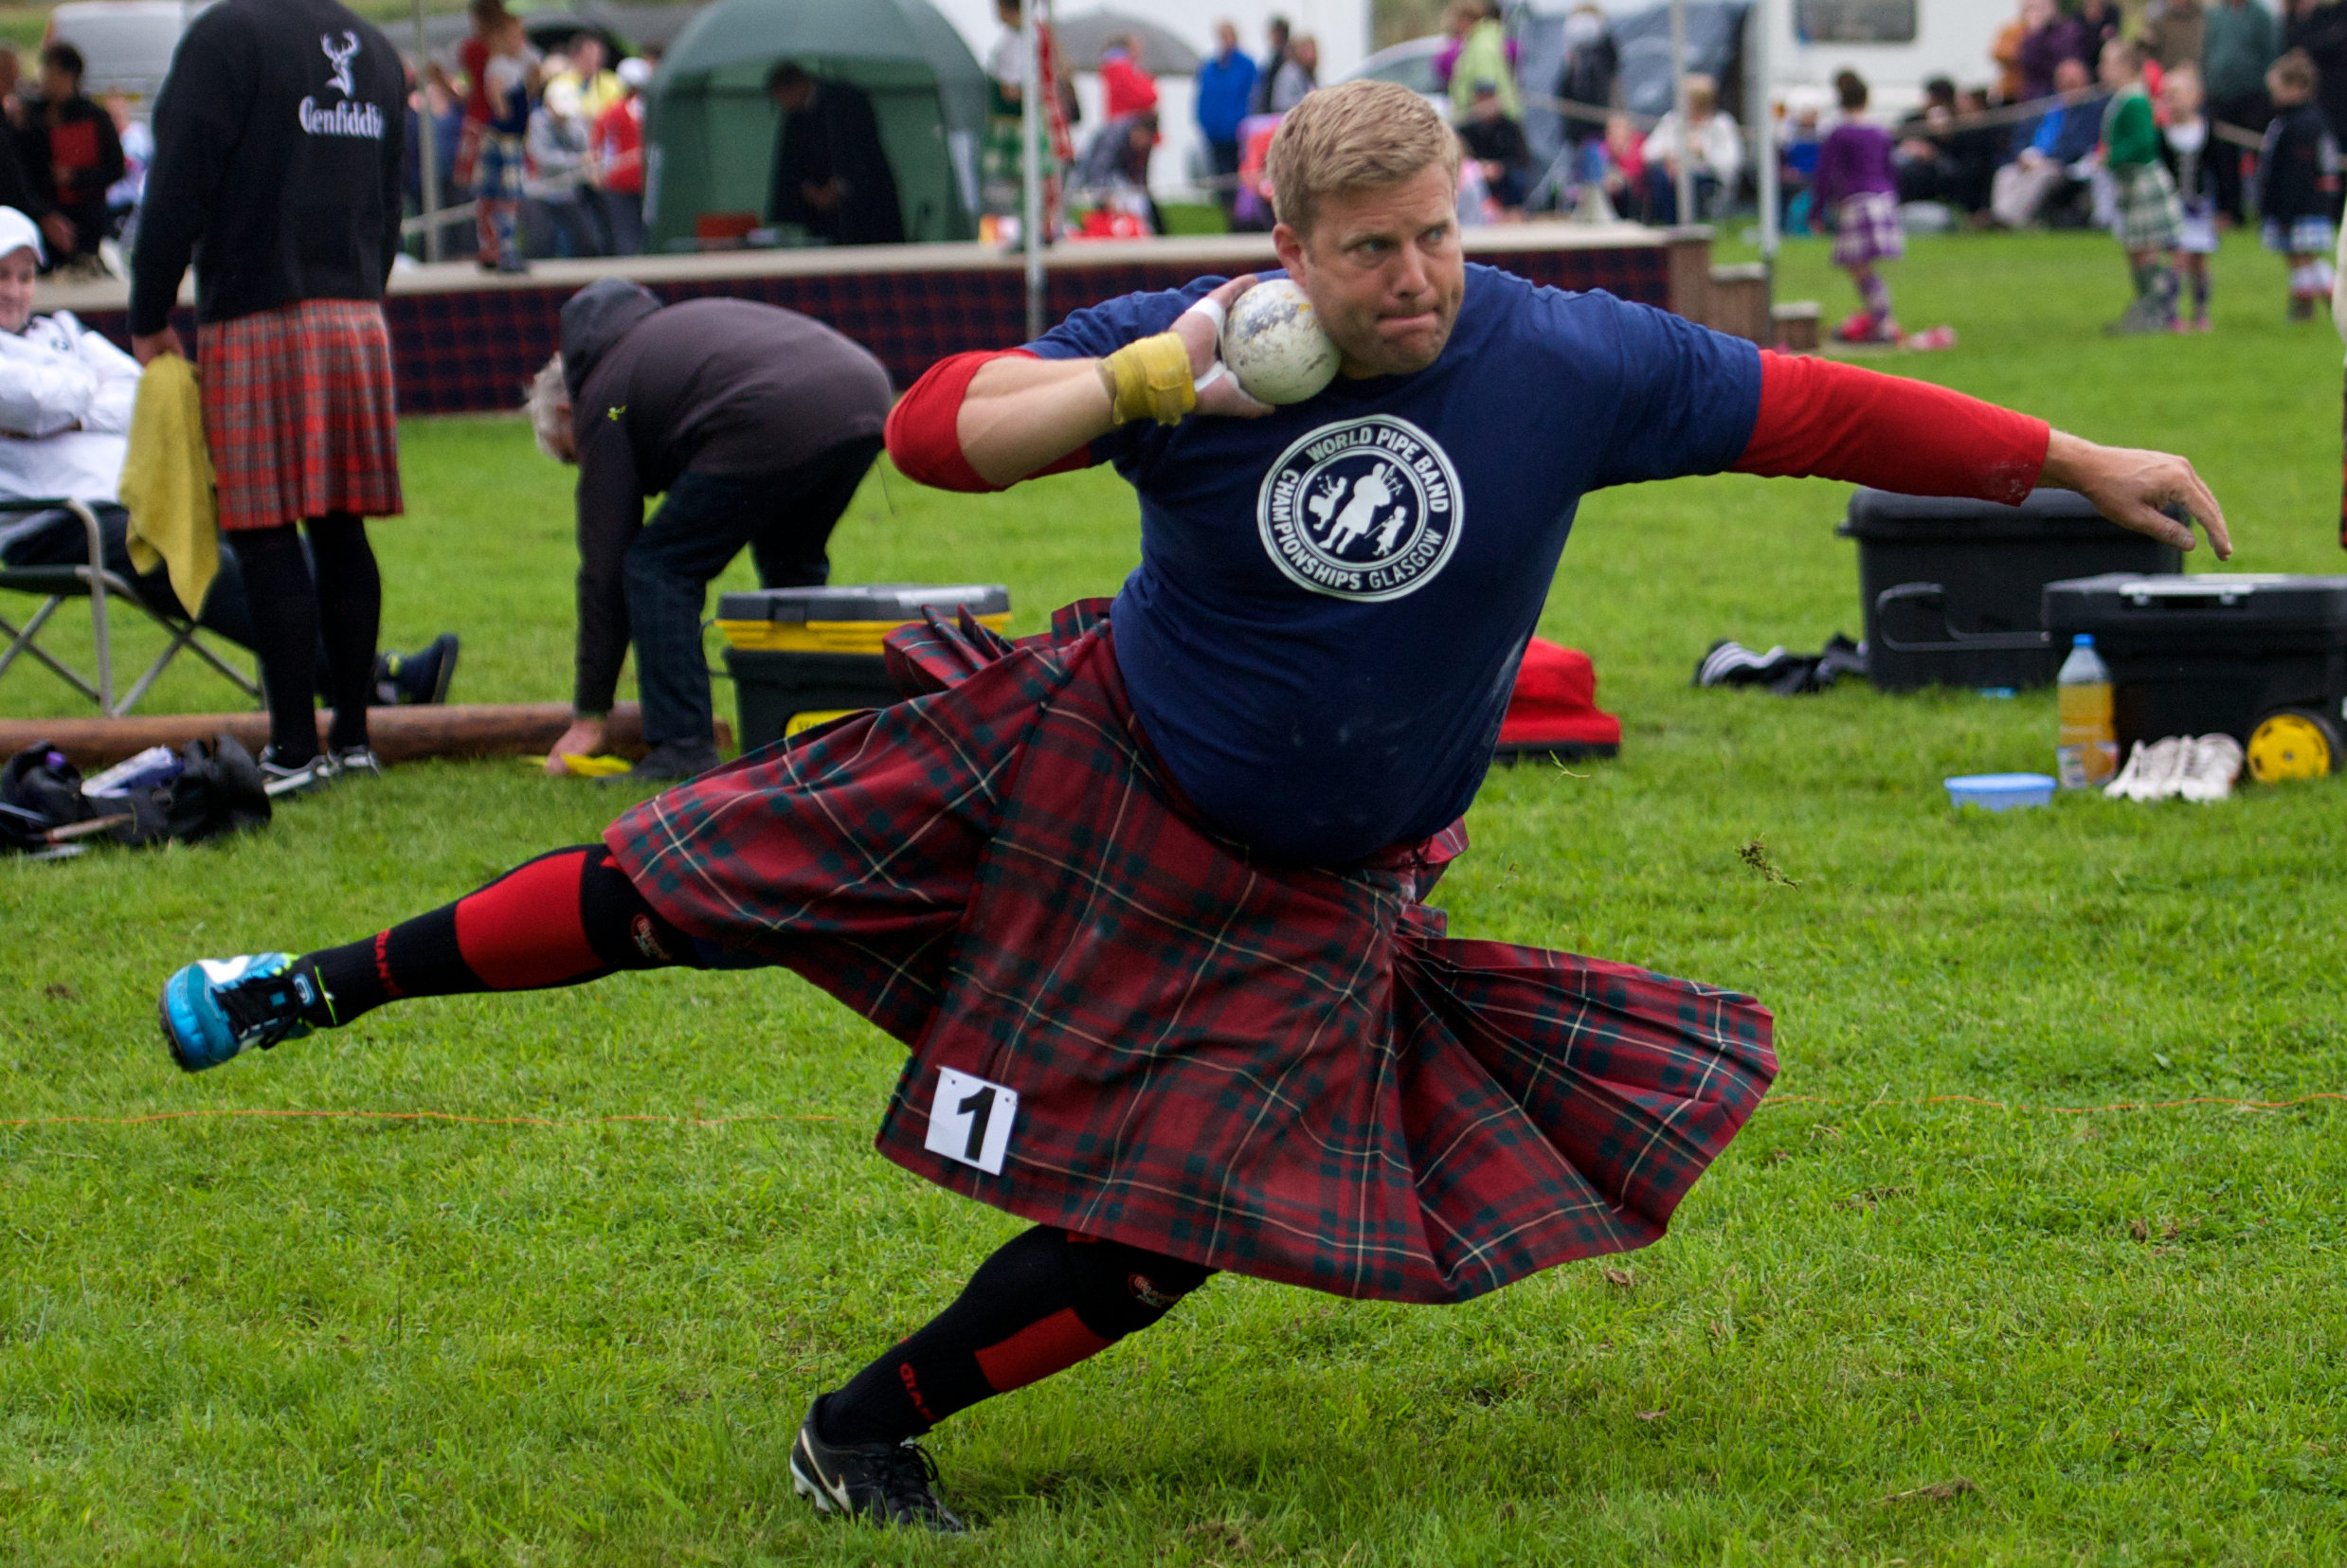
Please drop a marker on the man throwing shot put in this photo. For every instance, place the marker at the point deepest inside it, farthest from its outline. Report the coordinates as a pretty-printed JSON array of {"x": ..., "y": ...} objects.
[
  {"x": 755, "y": 422},
  {"x": 1144, "y": 894}
]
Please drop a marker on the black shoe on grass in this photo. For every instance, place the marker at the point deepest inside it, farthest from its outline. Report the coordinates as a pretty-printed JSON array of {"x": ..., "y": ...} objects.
[
  {"x": 887, "y": 1482},
  {"x": 670, "y": 762},
  {"x": 419, "y": 678}
]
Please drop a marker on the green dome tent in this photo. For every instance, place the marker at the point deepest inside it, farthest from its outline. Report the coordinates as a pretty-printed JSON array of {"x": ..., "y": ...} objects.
[{"x": 710, "y": 128}]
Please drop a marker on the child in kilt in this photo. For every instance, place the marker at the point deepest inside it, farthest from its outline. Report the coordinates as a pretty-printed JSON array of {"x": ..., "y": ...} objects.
[
  {"x": 1144, "y": 896},
  {"x": 2146, "y": 217},
  {"x": 502, "y": 159},
  {"x": 2192, "y": 164},
  {"x": 2298, "y": 182},
  {"x": 1856, "y": 185}
]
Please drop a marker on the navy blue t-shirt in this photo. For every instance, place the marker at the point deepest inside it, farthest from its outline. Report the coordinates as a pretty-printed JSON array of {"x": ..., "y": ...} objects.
[{"x": 1332, "y": 601}]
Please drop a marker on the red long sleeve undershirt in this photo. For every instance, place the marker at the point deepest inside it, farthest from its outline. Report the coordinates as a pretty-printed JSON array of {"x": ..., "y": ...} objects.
[{"x": 1817, "y": 418}]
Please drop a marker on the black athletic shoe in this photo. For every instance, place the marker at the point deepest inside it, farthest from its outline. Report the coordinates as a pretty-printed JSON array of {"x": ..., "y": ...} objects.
[
  {"x": 414, "y": 679},
  {"x": 306, "y": 778},
  {"x": 887, "y": 1482},
  {"x": 671, "y": 762}
]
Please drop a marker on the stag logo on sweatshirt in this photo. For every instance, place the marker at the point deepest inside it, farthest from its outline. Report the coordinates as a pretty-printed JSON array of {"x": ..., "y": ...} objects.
[
  {"x": 338, "y": 55},
  {"x": 364, "y": 120}
]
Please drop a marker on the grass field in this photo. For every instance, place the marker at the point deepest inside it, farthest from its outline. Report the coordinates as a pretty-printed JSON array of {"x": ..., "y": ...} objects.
[{"x": 1932, "y": 1307}]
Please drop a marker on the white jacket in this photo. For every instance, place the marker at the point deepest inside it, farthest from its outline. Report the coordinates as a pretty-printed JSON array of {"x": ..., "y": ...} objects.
[
  {"x": 1718, "y": 146},
  {"x": 65, "y": 396}
]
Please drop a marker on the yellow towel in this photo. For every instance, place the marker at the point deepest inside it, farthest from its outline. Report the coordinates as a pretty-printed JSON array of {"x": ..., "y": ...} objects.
[{"x": 167, "y": 482}]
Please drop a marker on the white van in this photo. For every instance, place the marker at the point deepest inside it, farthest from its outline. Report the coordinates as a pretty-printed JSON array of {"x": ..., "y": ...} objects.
[{"x": 125, "y": 44}]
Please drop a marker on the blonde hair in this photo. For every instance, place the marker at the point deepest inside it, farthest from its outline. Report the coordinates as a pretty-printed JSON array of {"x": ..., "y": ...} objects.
[
  {"x": 1356, "y": 133},
  {"x": 547, "y": 400}
]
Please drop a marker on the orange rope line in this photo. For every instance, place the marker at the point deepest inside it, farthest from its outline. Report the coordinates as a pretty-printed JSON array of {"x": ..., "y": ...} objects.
[
  {"x": 2062, "y": 1110},
  {"x": 267, "y": 1115},
  {"x": 652, "y": 1118}
]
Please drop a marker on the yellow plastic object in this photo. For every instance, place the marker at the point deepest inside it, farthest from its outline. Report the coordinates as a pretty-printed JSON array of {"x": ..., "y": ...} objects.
[
  {"x": 824, "y": 636},
  {"x": 583, "y": 767},
  {"x": 814, "y": 716},
  {"x": 2288, "y": 746}
]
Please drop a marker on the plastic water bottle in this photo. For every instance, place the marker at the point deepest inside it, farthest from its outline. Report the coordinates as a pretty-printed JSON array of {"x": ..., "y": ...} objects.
[{"x": 2088, "y": 751}]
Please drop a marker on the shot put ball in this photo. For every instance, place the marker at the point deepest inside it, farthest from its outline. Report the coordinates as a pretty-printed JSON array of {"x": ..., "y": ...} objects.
[{"x": 1273, "y": 343}]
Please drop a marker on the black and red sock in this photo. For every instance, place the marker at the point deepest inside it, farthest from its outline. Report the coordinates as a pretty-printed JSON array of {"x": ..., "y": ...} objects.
[
  {"x": 1045, "y": 1301},
  {"x": 562, "y": 919}
]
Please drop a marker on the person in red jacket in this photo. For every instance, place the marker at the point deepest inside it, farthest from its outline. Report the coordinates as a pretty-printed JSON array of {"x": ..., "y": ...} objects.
[
  {"x": 1144, "y": 894},
  {"x": 619, "y": 161},
  {"x": 1126, "y": 88}
]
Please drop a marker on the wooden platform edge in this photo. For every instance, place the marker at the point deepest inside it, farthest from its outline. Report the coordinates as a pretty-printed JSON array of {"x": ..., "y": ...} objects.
[{"x": 398, "y": 734}]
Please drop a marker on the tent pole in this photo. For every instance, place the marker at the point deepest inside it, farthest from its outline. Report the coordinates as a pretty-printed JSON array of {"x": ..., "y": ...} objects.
[
  {"x": 428, "y": 134},
  {"x": 1031, "y": 165},
  {"x": 1760, "y": 105},
  {"x": 1683, "y": 183}
]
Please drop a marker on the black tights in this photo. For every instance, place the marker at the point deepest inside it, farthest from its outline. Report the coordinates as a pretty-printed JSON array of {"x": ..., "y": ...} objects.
[{"x": 293, "y": 614}]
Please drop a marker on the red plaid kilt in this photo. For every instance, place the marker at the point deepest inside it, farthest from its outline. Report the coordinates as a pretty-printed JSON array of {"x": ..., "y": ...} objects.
[
  {"x": 1279, "y": 1070},
  {"x": 299, "y": 413}
]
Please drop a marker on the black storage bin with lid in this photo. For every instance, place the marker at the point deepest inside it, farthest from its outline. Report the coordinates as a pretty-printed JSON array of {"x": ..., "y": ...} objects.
[
  {"x": 2193, "y": 656},
  {"x": 1950, "y": 587},
  {"x": 801, "y": 655}
]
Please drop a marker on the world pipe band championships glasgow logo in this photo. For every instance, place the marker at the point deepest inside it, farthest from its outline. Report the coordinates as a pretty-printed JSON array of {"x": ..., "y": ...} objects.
[{"x": 1367, "y": 508}]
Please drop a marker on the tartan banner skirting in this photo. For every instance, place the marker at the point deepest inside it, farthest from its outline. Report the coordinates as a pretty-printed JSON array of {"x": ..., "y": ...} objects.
[
  {"x": 299, "y": 413},
  {"x": 1124, "y": 1023},
  {"x": 1867, "y": 229},
  {"x": 2147, "y": 215}
]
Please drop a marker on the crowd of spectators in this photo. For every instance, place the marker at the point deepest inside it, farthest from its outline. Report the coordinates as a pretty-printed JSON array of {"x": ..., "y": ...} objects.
[
  {"x": 74, "y": 166},
  {"x": 549, "y": 147}
]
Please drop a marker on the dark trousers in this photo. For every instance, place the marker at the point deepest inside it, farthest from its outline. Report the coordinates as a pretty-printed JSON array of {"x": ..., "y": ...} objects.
[
  {"x": 2252, "y": 113},
  {"x": 785, "y": 517},
  {"x": 1222, "y": 161},
  {"x": 56, "y": 539}
]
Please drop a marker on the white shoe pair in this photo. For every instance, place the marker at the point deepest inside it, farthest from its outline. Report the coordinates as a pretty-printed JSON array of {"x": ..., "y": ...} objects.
[{"x": 2179, "y": 767}]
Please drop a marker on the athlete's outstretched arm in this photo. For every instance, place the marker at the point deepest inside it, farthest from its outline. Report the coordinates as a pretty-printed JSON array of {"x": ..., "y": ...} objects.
[
  {"x": 1839, "y": 421},
  {"x": 984, "y": 422}
]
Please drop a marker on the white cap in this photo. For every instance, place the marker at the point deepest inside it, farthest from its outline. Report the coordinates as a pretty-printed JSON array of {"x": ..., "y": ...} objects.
[
  {"x": 18, "y": 231},
  {"x": 634, "y": 71}
]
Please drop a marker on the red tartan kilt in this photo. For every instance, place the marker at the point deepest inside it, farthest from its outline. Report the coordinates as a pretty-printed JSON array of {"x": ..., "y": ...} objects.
[
  {"x": 1283, "y": 1070},
  {"x": 299, "y": 413}
]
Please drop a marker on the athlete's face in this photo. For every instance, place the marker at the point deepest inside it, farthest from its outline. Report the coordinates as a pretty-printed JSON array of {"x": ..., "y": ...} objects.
[{"x": 1384, "y": 270}]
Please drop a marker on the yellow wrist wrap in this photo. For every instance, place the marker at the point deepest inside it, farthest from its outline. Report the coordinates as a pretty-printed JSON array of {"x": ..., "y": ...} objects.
[{"x": 1151, "y": 378}]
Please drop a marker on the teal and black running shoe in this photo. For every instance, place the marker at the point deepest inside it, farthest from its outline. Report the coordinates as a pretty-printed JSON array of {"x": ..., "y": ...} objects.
[{"x": 218, "y": 1006}]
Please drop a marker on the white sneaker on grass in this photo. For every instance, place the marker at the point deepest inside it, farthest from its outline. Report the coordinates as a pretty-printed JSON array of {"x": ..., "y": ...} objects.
[
  {"x": 2152, "y": 772},
  {"x": 2211, "y": 764}
]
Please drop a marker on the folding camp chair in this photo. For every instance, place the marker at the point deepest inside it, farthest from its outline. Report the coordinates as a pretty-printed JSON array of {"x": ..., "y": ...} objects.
[{"x": 101, "y": 588}]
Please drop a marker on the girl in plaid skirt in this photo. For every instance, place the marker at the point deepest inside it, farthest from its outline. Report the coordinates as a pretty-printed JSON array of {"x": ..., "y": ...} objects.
[
  {"x": 2147, "y": 217},
  {"x": 2191, "y": 162},
  {"x": 1854, "y": 182}
]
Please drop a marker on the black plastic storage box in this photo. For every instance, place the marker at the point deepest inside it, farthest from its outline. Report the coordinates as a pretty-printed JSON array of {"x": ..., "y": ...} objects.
[
  {"x": 2191, "y": 655},
  {"x": 801, "y": 655},
  {"x": 1950, "y": 587}
]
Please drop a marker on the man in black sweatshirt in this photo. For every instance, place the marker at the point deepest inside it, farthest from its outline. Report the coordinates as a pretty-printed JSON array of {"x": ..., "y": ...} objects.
[
  {"x": 755, "y": 423},
  {"x": 278, "y": 139}
]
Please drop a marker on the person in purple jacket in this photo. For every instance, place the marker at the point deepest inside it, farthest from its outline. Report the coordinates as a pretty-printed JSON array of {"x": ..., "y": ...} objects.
[{"x": 1854, "y": 182}]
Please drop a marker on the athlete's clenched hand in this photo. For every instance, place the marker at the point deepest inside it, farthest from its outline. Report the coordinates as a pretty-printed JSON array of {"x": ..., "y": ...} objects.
[{"x": 1200, "y": 331}]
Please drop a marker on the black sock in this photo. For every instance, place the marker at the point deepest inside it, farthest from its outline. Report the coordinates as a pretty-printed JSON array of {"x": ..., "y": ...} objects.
[
  {"x": 1043, "y": 1302},
  {"x": 349, "y": 603},
  {"x": 285, "y": 633},
  {"x": 562, "y": 919}
]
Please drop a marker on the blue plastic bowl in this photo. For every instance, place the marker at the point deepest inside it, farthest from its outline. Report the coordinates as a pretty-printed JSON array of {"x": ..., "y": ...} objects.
[{"x": 2001, "y": 791}]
